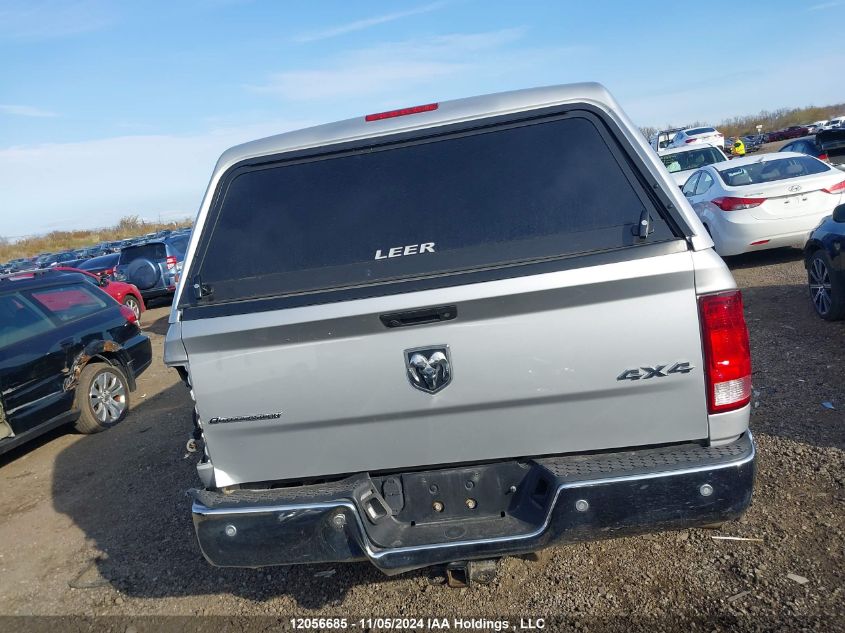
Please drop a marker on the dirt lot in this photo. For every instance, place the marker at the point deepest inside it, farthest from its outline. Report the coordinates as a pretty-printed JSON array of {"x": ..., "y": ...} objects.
[{"x": 101, "y": 525}]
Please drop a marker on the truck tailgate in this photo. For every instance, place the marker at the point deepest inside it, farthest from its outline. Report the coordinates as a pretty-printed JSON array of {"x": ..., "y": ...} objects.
[{"x": 547, "y": 364}]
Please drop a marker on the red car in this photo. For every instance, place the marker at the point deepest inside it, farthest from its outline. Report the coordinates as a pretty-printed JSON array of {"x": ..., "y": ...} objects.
[
  {"x": 796, "y": 131},
  {"x": 123, "y": 293}
]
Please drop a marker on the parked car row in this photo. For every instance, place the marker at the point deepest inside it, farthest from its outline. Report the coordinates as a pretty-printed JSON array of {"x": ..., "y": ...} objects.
[
  {"x": 680, "y": 137},
  {"x": 797, "y": 131},
  {"x": 74, "y": 258},
  {"x": 793, "y": 197}
]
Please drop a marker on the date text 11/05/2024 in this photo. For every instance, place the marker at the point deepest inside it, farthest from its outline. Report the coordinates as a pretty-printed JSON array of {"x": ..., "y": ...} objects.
[{"x": 434, "y": 624}]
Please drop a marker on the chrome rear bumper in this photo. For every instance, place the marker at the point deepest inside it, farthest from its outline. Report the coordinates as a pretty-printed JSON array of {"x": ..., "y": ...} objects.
[{"x": 581, "y": 498}]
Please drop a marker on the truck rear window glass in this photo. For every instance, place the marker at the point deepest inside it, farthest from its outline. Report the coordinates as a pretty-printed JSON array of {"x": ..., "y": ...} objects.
[{"x": 488, "y": 198}]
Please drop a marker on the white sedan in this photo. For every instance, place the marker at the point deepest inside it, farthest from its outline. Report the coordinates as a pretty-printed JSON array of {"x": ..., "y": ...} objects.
[
  {"x": 764, "y": 201},
  {"x": 696, "y": 135}
]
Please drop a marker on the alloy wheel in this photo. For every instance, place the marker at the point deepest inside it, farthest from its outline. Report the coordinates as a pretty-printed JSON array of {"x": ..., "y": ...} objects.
[
  {"x": 820, "y": 286},
  {"x": 108, "y": 397},
  {"x": 133, "y": 305}
]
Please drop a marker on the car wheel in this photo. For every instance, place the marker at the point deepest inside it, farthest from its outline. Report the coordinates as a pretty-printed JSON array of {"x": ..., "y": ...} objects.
[
  {"x": 102, "y": 397},
  {"x": 132, "y": 303},
  {"x": 827, "y": 291}
]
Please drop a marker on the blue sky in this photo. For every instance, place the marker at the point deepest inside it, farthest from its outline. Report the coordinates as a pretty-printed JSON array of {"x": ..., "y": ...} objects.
[{"x": 116, "y": 108}]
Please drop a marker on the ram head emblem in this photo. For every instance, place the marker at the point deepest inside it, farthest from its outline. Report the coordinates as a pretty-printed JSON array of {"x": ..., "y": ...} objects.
[{"x": 429, "y": 368}]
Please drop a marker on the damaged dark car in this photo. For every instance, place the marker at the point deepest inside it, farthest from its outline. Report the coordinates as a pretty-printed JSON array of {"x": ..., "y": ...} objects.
[{"x": 69, "y": 354}]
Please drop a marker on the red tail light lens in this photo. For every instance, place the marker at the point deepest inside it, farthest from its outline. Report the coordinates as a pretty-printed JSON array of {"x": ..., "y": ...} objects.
[
  {"x": 822, "y": 156},
  {"x": 126, "y": 311},
  {"x": 837, "y": 188},
  {"x": 690, "y": 140},
  {"x": 378, "y": 116},
  {"x": 735, "y": 204},
  {"x": 727, "y": 353},
  {"x": 171, "y": 262}
]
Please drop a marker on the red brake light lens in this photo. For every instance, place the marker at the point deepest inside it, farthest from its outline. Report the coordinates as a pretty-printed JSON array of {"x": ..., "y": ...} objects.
[
  {"x": 171, "y": 262},
  {"x": 690, "y": 140},
  {"x": 822, "y": 156},
  {"x": 837, "y": 188},
  {"x": 378, "y": 116},
  {"x": 727, "y": 353},
  {"x": 126, "y": 311},
  {"x": 729, "y": 203}
]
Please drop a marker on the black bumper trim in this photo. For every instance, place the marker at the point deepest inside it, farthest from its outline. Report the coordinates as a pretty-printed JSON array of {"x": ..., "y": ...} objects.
[{"x": 594, "y": 497}]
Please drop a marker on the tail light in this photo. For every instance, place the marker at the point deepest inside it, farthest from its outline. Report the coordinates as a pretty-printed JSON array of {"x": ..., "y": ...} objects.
[
  {"x": 690, "y": 140},
  {"x": 378, "y": 116},
  {"x": 822, "y": 157},
  {"x": 837, "y": 188},
  {"x": 727, "y": 353},
  {"x": 171, "y": 262},
  {"x": 126, "y": 311},
  {"x": 729, "y": 203}
]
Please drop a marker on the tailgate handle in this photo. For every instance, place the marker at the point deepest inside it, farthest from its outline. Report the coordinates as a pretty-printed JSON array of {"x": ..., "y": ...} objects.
[{"x": 419, "y": 317}]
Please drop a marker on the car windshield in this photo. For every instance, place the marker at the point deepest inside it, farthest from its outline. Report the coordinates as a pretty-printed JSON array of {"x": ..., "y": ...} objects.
[
  {"x": 771, "y": 170},
  {"x": 693, "y": 159},
  {"x": 700, "y": 130}
]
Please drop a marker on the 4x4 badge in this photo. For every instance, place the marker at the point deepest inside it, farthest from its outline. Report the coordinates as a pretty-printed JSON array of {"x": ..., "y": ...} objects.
[
  {"x": 658, "y": 371},
  {"x": 429, "y": 369}
]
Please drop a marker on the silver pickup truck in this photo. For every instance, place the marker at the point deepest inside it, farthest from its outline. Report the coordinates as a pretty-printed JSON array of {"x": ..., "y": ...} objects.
[{"x": 454, "y": 332}]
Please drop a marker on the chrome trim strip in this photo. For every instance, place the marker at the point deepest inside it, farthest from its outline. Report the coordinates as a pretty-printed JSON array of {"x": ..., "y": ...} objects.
[{"x": 376, "y": 554}]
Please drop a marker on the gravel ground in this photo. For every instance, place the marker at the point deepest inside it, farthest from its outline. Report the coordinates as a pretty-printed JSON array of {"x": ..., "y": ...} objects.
[{"x": 100, "y": 525}]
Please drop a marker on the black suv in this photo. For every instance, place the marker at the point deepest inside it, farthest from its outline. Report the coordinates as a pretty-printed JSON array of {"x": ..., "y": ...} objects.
[
  {"x": 68, "y": 353},
  {"x": 154, "y": 267}
]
